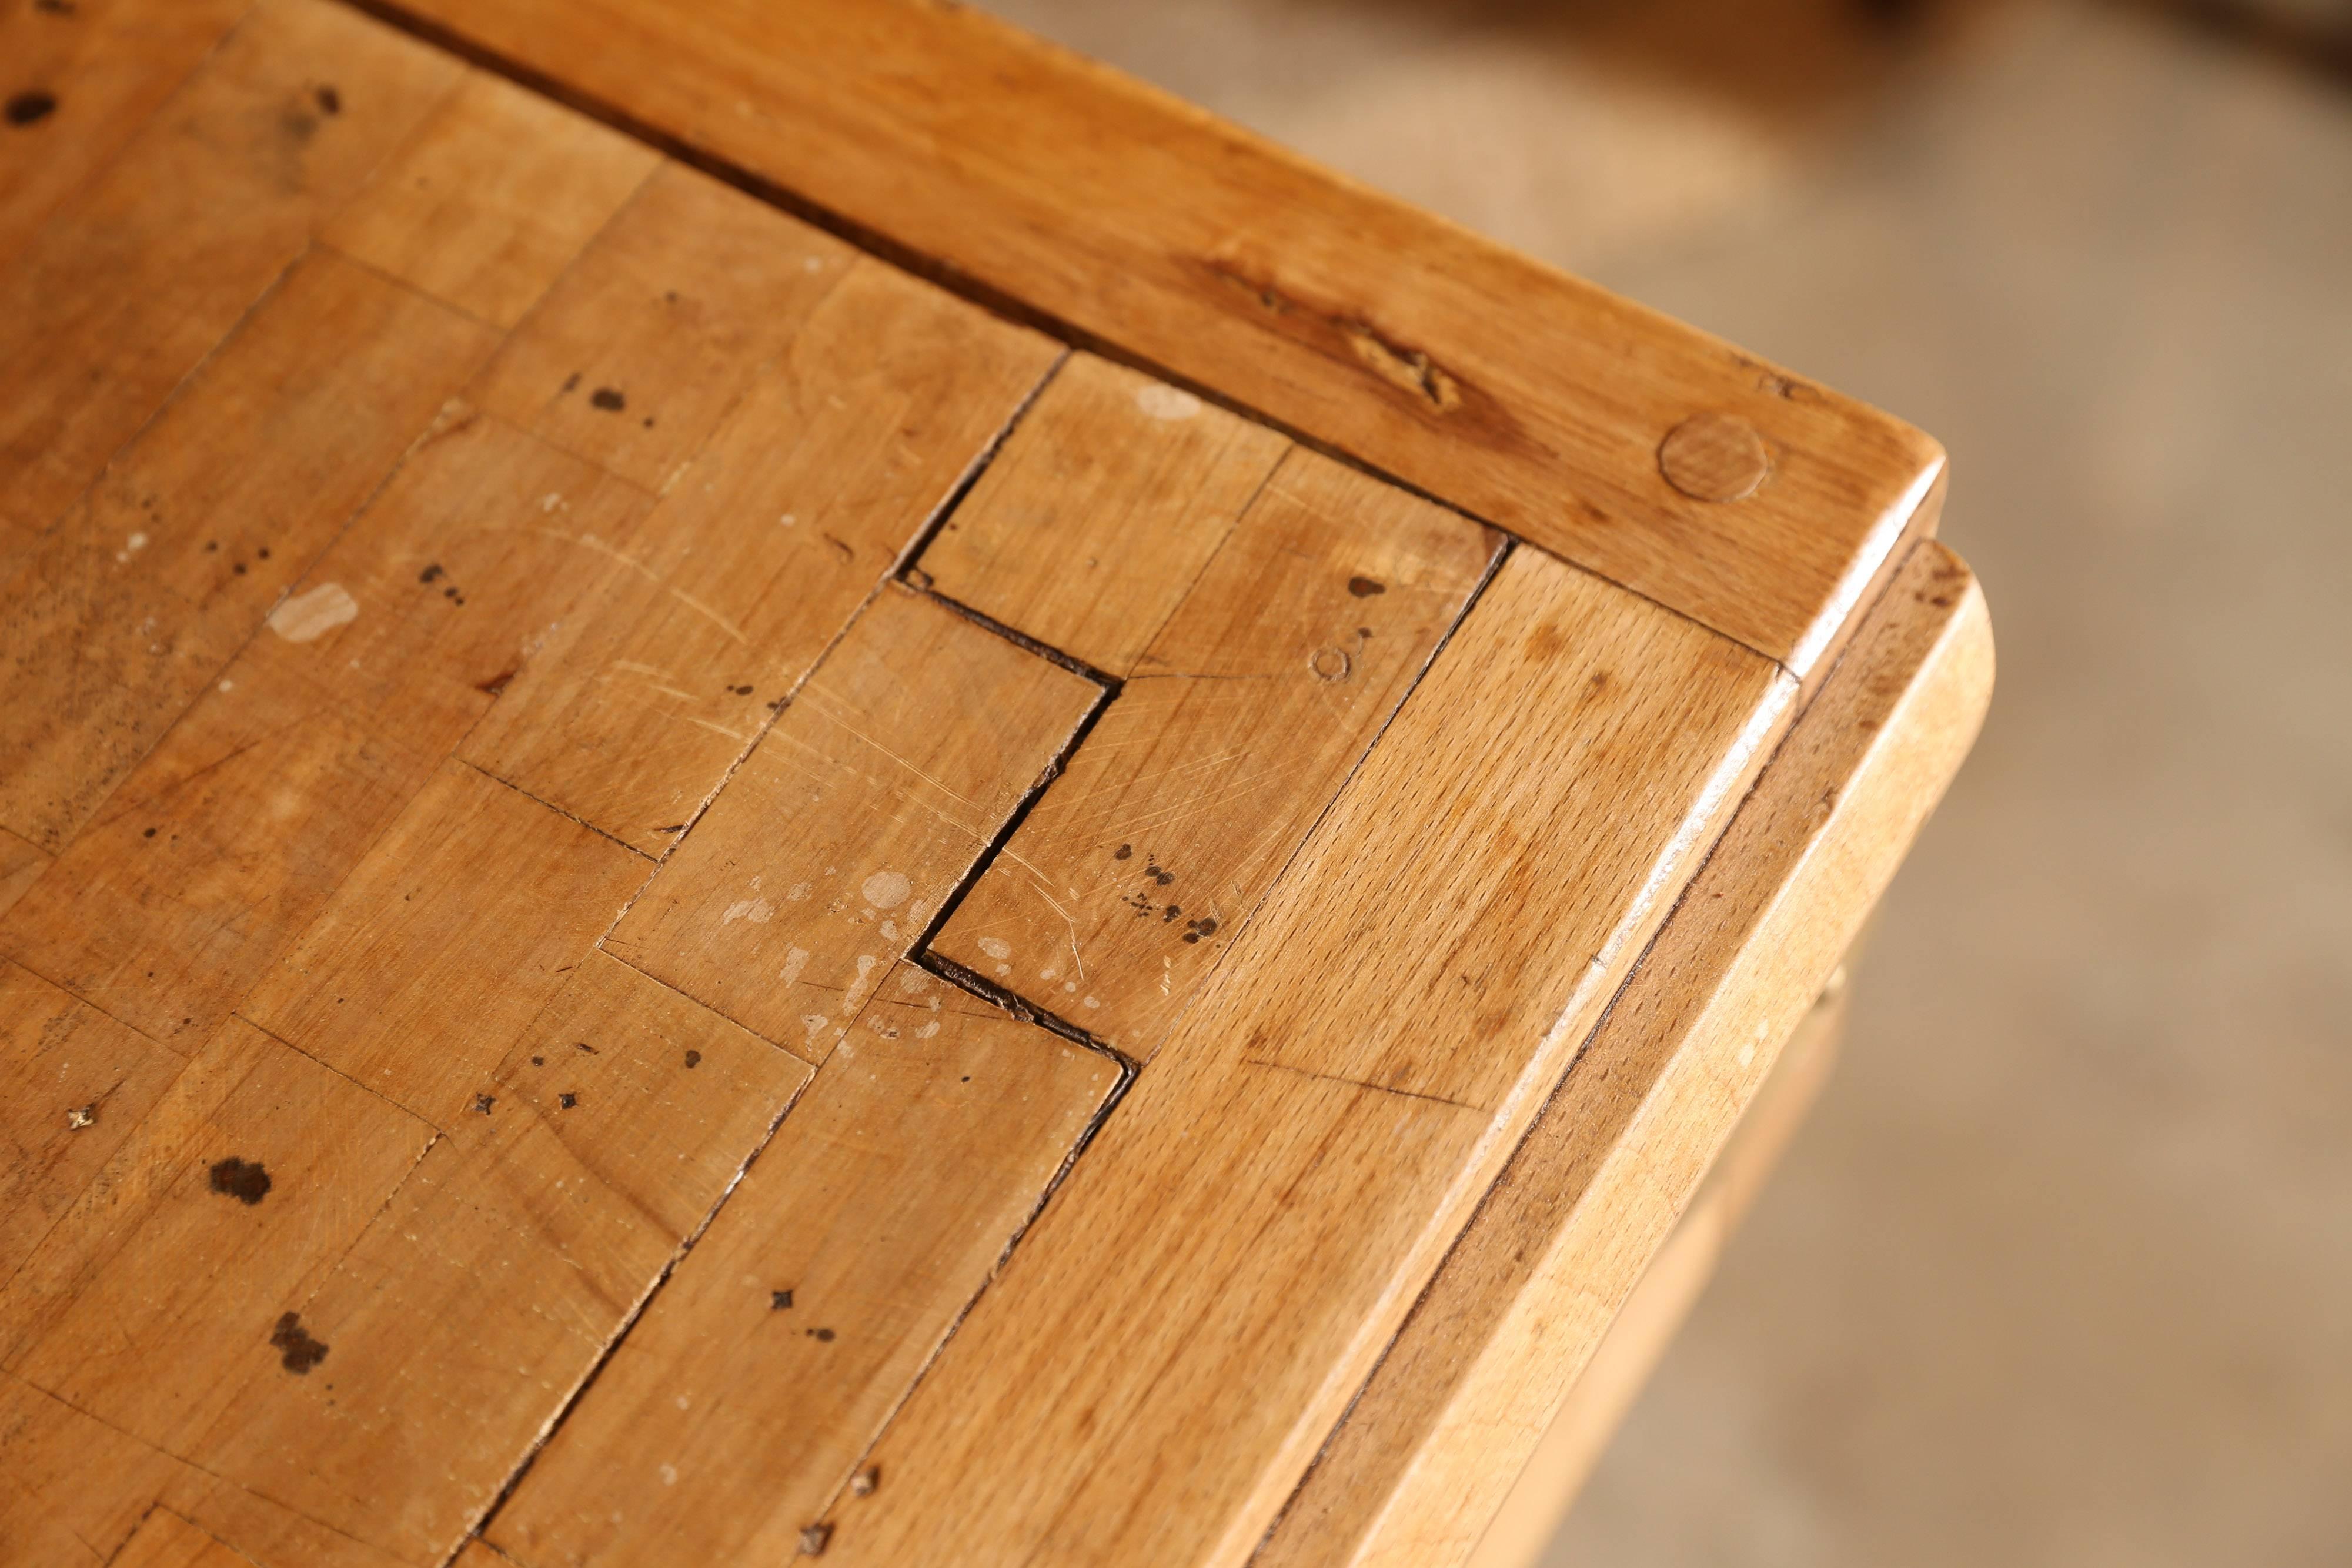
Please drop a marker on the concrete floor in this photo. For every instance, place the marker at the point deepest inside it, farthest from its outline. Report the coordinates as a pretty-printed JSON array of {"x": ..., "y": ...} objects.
[{"x": 2061, "y": 1272}]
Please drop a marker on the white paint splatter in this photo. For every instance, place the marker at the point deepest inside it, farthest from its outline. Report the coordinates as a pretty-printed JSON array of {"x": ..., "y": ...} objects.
[
  {"x": 795, "y": 961},
  {"x": 814, "y": 1022},
  {"x": 797, "y": 892},
  {"x": 758, "y": 910},
  {"x": 1162, "y": 401},
  {"x": 890, "y": 930},
  {"x": 887, "y": 889},
  {"x": 1049, "y": 973},
  {"x": 229, "y": 686},
  {"x": 787, "y": 520},
  {"x": 996, "y": 947},
  {"x": 913, "y": 980},
  {"x": 928, "y": 1030},
  {"x": 307, "y": 617},
  {"x": 550, "y": 502},
  {"x": 135, "y": 543},
  {"x": 1092, "y": 1002},
  {"x": 669, "y": 1474}
]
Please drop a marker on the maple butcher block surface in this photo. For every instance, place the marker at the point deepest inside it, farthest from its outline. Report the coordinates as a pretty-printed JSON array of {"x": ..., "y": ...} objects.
[{"x": 728, "y": 834}]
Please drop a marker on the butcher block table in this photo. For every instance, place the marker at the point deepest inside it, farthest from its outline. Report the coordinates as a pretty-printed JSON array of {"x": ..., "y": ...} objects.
[{"x": 788, "y": 779}]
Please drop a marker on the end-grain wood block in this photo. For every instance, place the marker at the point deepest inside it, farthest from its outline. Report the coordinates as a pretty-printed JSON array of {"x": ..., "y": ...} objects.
[
  {"x": 877, "y": 791},
  {"x": 455, "y": 929},
  {"x": 116, "y": 620},
  {"x": 1420, "y": 1464},
  {"x": 1248, "y": 1229},
  {"x": 181, "y": 1272},
  {"x": 470, "y": 1311},
  {"x": 136, "y": 278},
  {"x": 220, "y": 849},
  {"x": 493, "y": 199},
  {"x": 644, "y": 344},
  {"x": 95, "y": 70},
  {"x": 1098, "y": 517},
  {"x": 73, "y": 1084},
  {"x": 1291, "y": 650},
  {"x": 864, "y": 1229},
  {"x": 840, "y": 450}
]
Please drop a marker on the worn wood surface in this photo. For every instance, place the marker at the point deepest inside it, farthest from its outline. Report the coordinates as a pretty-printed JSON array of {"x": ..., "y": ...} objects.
[{"x": 666, "y": 893}]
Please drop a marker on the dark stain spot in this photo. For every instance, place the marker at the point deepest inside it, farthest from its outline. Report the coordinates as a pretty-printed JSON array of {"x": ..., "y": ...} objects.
[
  {"x": 496, "y": 684},
  {"x": 609, "y": 398},
  {"x": 1365, "y": 587},
  {"x": 572, "y": 382},
  {"x": 148, "y": 834},
  {"x": 248, "y": 1181},
  {"x": 1168, "y": 914},
  {"x": 647, "y": 422},
  {"x": 1364, "y": 632},
  {"x": 814, "y": 1538},
  {"x": 582, "y": 1046},
  {"x": 263, "y": 552},
  {"x": 449, "y": 592},
  {"x": 1152, "y": 869},
  {"x": 740, "y": 691},
  {"x": 669, "y": 296},
  {"x": 567, "y": 1099},
  {"x": 1199, "y": 928},
  {"x": 821, "y": 1336},
  {"x": 694, "y": 1059},
  {"x": 31, "y": 108},
  {"x": 483, "y": 1103},
  {"x": 778, "y": 1300},
  {"x": 539, "y": 1062},
  {"x": 298, "y": 123},
  {"x": 430, "y": 574},
  {"x": 297, "y": 1351},
  {"x": 330, "y": 102},
  {"x": 1122, "y": 852},
  {"x": 237, "y": 567},
  {"x": 54, "y": 7},
  {"x": 211, "y": 544}
]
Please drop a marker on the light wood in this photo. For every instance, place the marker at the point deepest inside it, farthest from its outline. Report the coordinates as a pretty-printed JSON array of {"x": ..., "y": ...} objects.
[
  {"x": 1434, "y": 1438},
  {"x": 132, "y": 281},
  {"x": 1289, "y": 652},
  {"x": 131, "y": 606},
  {"x": 899, "y": 761},
  {"x": 1245, "y": 1232},
  {"x": 631, "y": 714},
  {"x": 1530, "y": 399},
  {"x": 165, "y": 1540},
  {"x": 880, "y": 1210},
  {"x": 1093, "y": 524},
  {"x": 1529, "y": 1520},
  {"x": 492, "y": 200}
]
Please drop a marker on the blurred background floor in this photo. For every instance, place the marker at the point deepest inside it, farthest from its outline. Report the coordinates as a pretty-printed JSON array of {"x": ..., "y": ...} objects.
[{"x": 2061, "y": 1270}]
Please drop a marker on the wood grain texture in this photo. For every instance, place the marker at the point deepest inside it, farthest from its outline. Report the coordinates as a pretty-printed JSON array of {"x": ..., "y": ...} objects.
[
  {"x": 492, "y": 200},
  {"x": 643, "y": 346},
  {"x": 459, "y": 926},
  {"x": 118, "y": 617},
  {"x": 1292, "y": 648},
  {"x": 875, "y": 1217},
  {"x": 105, "y": 67},
  {"x": 1249, "y": 1228},
  {"x": 136, "y": 278},
  {"x": 1419, "y": 1466},
  {"x": 1530, "y": 399},
  {"x": 840, "y": 450},
  {"x": 1091, "y": 526},
  {"x": 473, "y": 1307},
  {"x": 21, "y": 865},
  {"x": 898, "y": 764},
  {"x": 73, "y": 1084},
  {"x": 217, "y": 851},
  {"x": 165, "y": 1540}
]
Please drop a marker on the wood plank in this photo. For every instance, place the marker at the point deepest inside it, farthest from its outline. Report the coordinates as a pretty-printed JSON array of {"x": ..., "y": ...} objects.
[
  {"x": 224, "y": 845},
  {"x": 1417, "y": 1471},
  {"x": 636, "y": 353},
  {"x": 165, "y": 1540},
  {"x": 813, "y": 487},
  {"x": 862, "y": 1232},
  {"x": 900, "y": 760},
  {"x": 120, "y": 616},
  {"x": 1120, "y": 893},
  {"x": 471, "y": 1310},
  {"x": 495, "y": 197},
  {"x": 1094, "y": 522},
  {"x": 21, "y": 865},
  {"x": 1251, "y": 1226},
  {"x": 98, "y": 70},
  {"x": 445, "y": 940},
  {"x": 181, "y": 1271},
  {"x": 73, "y": 1084},
  {"x": 1530, "y": 399},
  {"x": 135, "y": 280},
  {"x": 1644, "y": 1327}
]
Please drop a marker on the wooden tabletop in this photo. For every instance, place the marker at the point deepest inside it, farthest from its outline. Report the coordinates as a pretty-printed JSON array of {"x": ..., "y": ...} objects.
[{"x": 794, "y": 780}]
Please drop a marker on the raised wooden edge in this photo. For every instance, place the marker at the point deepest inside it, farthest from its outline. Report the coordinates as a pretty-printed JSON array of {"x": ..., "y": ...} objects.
[
  {"x": 1417, "y": 1469},
  {"x": 1126, "y": 219}
]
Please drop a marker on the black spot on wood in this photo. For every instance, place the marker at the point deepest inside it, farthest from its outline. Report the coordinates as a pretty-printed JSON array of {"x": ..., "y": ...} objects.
[
  {"x": 496, "y": 684},
  {"x": 778, "y": 1300},
  {"x": 148, "y": 834},
  {"x": 1122, "y": 852},
  {"x": 821, "y": 1336},
  {"x": 567, "y": 1099},
  {"x": 430, "y": 574},
  {"x": 583, "y": 1047},
  {"x": 297, "y": 1351},
  {"x": 1365, "y": 587},
  {"x": 329, "y": 100},
  {"x": 693, "y": 1059},
  {"x": 1199, "y": 928},
  {"x": 612, "y": 400},
  {"x": 248, "y": 1181},
  {"x": 482, "y": 1103},
  {"x": 31, "y": 108}
]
